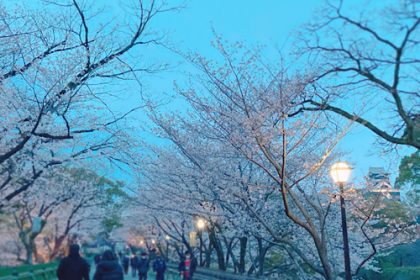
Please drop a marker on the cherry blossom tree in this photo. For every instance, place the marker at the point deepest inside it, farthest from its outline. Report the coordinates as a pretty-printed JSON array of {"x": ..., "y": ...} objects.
[
  {"x": 71, "y": 203},
  {"x": 56, "y": 64},
  {"x": 248, "y": 159}
]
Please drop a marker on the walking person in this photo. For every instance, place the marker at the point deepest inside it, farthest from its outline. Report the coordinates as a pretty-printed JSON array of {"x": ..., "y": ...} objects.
[
  {"x": 109, "y": 268},
  {"x": 143, "y": 266},
  {"x": 125, "y": 263},
  {"x": 159, "y": 266},
  {"x": 97, "y": 259},
  {"x": 73, "y": 267},
  {"x": 187, "y": 266},
  {"x": 133, "y": 263}
]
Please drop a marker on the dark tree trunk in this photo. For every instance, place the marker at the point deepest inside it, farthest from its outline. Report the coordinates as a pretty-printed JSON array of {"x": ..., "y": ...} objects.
[
  {"x": 229, "y": 246},
  {"x": 58, "y": 243},
  {"x": 219, "y": 250},
  {"x": 208, "y": 254},
  {"x": 262, "y": 252},
  {"x": 242, "y": 254},
  {"x": 29, "y": 253}
]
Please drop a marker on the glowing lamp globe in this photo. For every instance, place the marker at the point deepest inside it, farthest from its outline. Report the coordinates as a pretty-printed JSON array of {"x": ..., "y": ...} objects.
[
  {"x": 340, "y": 172},
  {"x": 201, "y": 224}
]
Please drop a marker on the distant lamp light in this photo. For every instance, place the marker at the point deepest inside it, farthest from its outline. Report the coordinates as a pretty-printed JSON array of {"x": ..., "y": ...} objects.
[
  {"x": 201, "y": 224},
  {"x": 193, "y": 239},
  {"x": 153, "y": 241},
  {"x": 167, "y": 237},
  {"x": 340, "y": 172}
]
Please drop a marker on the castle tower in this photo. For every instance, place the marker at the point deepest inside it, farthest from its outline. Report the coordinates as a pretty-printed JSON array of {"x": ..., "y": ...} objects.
[{"x": 379, "y": 182}]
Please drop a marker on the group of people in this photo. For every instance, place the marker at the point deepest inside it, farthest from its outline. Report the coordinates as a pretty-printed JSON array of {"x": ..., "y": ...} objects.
[
  {"x": 140, "y": 266},
  {"x": 110, "y": 267}
]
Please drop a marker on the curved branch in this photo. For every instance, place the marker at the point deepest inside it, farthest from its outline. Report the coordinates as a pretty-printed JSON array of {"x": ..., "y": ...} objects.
[{"x": 396, "y": 140}]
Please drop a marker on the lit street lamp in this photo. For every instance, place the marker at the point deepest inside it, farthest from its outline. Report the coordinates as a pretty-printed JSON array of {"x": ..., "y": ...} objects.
[
  {"x": 201, "y": 225},
  {"x": 340, "y": 173},
  {"x": 167, "y": 237},
  {"x": 193, "y": 237}
]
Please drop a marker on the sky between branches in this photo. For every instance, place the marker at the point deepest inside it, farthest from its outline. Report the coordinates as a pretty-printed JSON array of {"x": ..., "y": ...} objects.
[{"x": 268, "y": 23}]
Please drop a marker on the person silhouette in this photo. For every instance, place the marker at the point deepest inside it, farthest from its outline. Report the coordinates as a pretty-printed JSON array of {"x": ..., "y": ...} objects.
[
  {"x": 109, "y": 268},
  {"x": 159, "y": 266},
  {"x": 73, "y": 267}
]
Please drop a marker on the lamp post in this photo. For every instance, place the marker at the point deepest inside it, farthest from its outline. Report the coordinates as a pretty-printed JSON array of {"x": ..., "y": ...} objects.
[
  {"x": 201, "y": 224},
  {"x": 153, "y": 243},
  {"x": 193, "y": 237},
  {"x": 167, "y": 237},
  {"x": 340, "y": 173}
]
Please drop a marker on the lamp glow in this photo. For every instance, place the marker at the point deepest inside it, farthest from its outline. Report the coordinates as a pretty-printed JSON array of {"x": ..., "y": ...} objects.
[
  {"x": 201, "y": 224},
  {"x": 340, "y": 172}
]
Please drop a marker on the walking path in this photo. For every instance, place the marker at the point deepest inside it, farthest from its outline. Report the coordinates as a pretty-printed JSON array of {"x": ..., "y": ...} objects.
[{"x": 150, "y": 276}]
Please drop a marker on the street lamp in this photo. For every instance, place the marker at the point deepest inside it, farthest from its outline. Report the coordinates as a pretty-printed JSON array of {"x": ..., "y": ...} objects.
[
  {"x": 340, "y": 173},
  {"x": 167, "y": 237},
  {"x": 201, "y": 225},
  {"x": 193, "y": 236}
]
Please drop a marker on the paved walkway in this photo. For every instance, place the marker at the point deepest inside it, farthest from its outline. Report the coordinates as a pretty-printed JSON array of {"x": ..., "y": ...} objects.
[{"x": 150, "y": 276}]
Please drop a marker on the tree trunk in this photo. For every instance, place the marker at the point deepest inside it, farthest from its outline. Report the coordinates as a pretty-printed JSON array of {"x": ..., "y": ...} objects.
[
  {"x": 261, "y": 256},
  {"x": 29, "y": 253},
  {"x": 229, "y": 253},
  {"x": 251, "y": 270},
  {"x": 219, "y": 250},
  {"x": 208, "y": 255},
  {"x": 242, "y": 254},
  {"x": 58, "y": 242},
  {"x": 28, "y": 240},
  {"x": 322, "y": 252}
]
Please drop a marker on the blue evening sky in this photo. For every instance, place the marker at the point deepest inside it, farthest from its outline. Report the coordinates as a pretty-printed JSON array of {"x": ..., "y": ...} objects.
[{"x": 272, "y": 23}]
